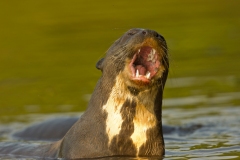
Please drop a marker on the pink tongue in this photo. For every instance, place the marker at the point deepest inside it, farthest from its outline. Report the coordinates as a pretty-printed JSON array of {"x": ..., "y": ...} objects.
[{"x": 141, "y": 69}]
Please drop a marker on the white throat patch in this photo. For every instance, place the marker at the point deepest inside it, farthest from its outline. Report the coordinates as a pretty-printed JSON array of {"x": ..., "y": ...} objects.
[
  {"x": 113, "y": 108},
  {"x": 143, "y": 120}
]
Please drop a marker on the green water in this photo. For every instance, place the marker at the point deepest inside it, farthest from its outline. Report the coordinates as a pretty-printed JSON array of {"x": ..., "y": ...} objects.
[{"x": 48, "y": 52}]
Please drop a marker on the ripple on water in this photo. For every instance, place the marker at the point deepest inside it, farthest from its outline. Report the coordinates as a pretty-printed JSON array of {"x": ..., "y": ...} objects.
[{"x": 218, "y": 138}]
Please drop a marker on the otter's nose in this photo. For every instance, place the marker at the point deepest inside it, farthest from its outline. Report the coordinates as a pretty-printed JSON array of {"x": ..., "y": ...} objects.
[{"x": 150, "y": 32}]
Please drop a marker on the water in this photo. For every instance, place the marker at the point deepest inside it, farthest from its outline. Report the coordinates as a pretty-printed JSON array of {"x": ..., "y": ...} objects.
[
  {"x": 212, "y": 122},
  {"x": 206, "y": 132},
  {"x": 200, "y": 132},
  {"x": 218, "y": 134},
  {"x": 48, "y": 51}
]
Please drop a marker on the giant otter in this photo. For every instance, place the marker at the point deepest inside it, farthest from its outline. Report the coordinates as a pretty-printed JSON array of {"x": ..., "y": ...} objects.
[{"x": 124, "y": 115}]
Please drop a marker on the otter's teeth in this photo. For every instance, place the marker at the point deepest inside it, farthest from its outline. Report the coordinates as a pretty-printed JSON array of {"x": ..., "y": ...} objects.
[
  {"x": 139, "y": 50},
  {"x": 153, "y": 51},
  {"x": 137, "y": 73},
  {"x": 148, "y": 74},
  {"x": 151, "y": 56}
]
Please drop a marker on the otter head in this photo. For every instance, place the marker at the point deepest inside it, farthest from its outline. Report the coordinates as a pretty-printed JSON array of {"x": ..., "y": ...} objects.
[{"x": 140, "y": 56}]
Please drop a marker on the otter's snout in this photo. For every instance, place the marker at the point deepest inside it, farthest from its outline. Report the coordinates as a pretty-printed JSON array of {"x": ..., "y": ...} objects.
[{"x": 146, "y": 32}]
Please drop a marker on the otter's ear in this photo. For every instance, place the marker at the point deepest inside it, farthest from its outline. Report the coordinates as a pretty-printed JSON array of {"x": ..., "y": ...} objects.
[{"x": 99, "y": 64}]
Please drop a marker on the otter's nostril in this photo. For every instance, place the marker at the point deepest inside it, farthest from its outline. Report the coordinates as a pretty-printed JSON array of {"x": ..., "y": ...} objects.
[
  {"x": 144, "y": 32},
  {"x": 157, "y": 35}
]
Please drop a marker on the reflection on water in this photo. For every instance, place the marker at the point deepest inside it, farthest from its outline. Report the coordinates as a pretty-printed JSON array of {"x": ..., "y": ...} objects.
[{"x": 193, "y": 100}]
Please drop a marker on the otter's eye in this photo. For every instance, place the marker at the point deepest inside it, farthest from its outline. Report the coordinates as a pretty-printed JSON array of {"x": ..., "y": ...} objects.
[{"x": 131, "y": 33}]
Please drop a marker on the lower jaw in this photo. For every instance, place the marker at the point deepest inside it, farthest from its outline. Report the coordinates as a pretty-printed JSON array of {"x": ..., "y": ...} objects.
[{"x": 139, "y": 81}]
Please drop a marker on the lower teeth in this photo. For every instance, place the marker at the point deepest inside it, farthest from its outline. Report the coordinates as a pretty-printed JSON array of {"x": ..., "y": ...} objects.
[
  {"x": 148, "y": 75},
  {"x": 137, "y": 73}
]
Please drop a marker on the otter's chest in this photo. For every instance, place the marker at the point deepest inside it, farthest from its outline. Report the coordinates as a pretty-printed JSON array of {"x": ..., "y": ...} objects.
[{"x": 127, "y": 126}]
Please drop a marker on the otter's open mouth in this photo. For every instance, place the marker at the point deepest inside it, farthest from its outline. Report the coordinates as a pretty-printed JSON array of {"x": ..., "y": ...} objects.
[{"x": 144, "y": 64}]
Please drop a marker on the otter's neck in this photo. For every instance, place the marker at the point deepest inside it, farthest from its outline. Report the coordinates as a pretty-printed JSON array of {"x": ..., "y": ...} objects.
[
  {"x": 132, "y": 125},
  {"x": 117, "y": 122}
]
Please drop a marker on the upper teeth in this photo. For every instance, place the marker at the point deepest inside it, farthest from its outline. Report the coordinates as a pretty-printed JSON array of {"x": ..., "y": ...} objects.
[{"x": 151, "y": 56}]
